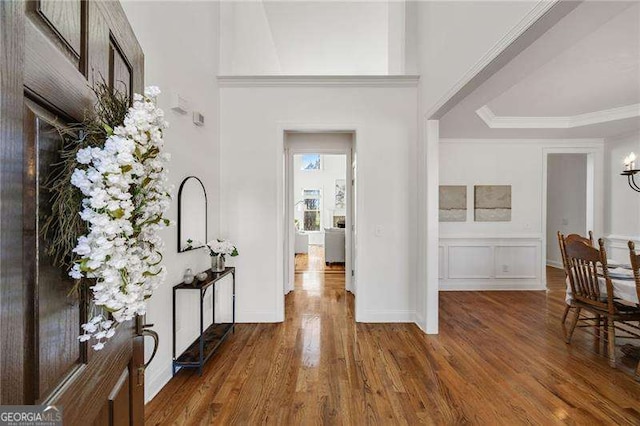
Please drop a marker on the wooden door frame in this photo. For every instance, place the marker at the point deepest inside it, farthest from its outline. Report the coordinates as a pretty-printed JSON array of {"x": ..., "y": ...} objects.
[{"x": 13, "y": 301}]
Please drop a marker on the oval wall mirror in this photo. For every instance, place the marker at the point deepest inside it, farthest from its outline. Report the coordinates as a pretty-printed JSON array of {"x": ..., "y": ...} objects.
[{"x": 192, "y": 214}]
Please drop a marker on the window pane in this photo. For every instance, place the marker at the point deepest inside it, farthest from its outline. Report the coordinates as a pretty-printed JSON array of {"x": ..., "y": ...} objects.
[
  {"x": 312, "y": 203},
  {"x": 311, "y": 221},
  {"x": 311, "y": 162}
]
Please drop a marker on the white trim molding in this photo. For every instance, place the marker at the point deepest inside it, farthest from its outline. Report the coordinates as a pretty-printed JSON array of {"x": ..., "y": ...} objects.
[
  {"x": 318, "y": 81},
  {"x": 617, "y": 248},
  {"x": 565, "y": 122}
]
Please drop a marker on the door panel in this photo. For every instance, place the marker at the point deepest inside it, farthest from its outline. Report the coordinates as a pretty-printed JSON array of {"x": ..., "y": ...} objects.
[
  {"x": 48, "y": 53},
  {"x": 64, "y": 18},
  {"x": 119, "y": 70},
  {"x": 56, "y": 316}
]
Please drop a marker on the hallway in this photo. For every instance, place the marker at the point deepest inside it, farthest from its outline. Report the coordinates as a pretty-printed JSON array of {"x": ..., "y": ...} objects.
[{"x": 321, "y": 367}]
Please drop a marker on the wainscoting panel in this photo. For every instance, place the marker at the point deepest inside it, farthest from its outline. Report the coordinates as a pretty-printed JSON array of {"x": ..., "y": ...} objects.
[
  {"x": 617, "y": 248},
  {"x": 516, "y": 261},
  {"x": 491, "y": 263},
  {"x": 470, "y": 261}
]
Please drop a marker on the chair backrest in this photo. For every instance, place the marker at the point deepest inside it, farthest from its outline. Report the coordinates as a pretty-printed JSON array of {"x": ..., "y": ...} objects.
[
  {"x": 577, "y": 237},
  {"x": 562, "y": 240},
  {"x": 585, "y": 263},
  {"x": 635, "y": 265}
]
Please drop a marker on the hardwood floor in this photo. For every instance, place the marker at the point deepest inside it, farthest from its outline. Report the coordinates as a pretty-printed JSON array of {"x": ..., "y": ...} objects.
[
  {"x": 499, "y": 359},
  {"x": 314, "y": 262}
]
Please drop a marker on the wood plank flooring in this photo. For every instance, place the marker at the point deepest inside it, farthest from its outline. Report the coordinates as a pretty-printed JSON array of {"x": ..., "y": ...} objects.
[
  {"x": 499, "y": 359},
  {"x": 314, "y": 262}
]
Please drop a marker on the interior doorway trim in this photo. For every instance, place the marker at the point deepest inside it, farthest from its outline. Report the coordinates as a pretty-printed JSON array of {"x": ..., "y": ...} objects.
[
  {"x": 285, "y": 263},
  {"x": 595, "y": 193}
]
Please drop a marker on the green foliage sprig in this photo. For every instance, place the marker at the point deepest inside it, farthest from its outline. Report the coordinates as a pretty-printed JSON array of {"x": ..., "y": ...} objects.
[{"x": 62, "y": 225}]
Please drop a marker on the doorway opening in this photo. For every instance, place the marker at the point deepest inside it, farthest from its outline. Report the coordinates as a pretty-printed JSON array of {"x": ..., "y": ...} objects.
[
  {"x": 320, "y": 196},
  {"x": 569, "y": 207},
  {"x": 320, "y": 189}
]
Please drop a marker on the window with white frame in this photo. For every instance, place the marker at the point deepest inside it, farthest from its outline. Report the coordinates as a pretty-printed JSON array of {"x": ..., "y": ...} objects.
[{"x": 312, "y": 209}]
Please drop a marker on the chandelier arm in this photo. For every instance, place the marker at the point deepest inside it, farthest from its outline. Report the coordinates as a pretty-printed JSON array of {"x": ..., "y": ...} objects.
[{"x": 632, "y": 182}]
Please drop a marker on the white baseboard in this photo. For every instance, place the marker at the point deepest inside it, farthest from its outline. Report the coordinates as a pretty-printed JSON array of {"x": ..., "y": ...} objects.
[
  {"x": 156, "y": 383},
  {"x": 418, "y": 319},
  {"x": 491, "y": 284},
  {"x": 387, "y": 316},
  {"x": 555, "y": 264}
]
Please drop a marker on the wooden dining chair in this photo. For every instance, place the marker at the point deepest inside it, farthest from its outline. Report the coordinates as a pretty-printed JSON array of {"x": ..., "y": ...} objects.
[
  {"x": 562, "y": 241},
  {"x": 585, "y": 264}
]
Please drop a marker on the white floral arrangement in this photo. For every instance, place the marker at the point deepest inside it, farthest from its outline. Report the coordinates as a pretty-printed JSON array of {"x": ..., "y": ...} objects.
[
  {"x": 126, "y": 196},
  {"x": 222, "y": 247}
]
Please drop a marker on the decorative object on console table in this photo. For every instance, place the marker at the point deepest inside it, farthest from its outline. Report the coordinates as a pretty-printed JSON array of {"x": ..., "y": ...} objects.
[
  {"x": 209, "y": 339},
  {"x": 218, "y": 249},
  {"x": 192, "y": 214},
  {"x": 630, "y": 171},
  {"x": 188, "y": 276}
]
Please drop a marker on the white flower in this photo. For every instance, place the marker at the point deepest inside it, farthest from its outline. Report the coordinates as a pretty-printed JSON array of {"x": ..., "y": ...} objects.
[
  {"x": 152, "y": 91},
  {"x": 121, "y": 248},
  {"x": 84, "y": 156}
]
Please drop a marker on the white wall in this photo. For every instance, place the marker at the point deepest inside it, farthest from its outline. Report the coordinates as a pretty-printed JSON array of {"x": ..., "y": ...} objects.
[
  {"x": 452, "y": 37},
  {"x": 384, "y": 119},
  {"x": 334, "y": 167},
  {"x": 180, "y": 67},
  {"x": 566, "y": 200},
  {"x": 313, "y": 38},
  {"x": 622, "y": 221},
  {"x": 502, "y": 255}
]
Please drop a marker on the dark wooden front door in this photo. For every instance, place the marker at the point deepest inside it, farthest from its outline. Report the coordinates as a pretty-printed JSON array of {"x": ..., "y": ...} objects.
[{"x": 51, "y": 52}]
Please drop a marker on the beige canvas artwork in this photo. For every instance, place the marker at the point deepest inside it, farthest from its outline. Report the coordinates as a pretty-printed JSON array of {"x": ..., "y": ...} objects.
[
  {"x": 453, "y": 203},
  {"x": 492, "y": 203}
]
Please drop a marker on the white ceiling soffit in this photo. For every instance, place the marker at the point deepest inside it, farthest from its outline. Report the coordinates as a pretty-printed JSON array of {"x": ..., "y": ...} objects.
[
  {"x": 568, "y": 122},
  {"x": 581, "y": 78}
]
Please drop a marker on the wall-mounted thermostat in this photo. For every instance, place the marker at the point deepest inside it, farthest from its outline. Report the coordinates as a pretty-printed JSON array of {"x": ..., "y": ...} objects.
[
  {"x": 198, "y": 119},
  {"x": 179, "y": 104}
]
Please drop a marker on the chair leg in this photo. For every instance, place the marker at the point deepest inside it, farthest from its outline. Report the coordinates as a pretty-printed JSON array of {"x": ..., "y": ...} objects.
[
  {"x": 611, "y": 328},
  {"x": 566, "y": 312},
  {"x": 574, "y": 322},
  {"x": 638, "y": 372},
  {"x": 596, "y": 341}
]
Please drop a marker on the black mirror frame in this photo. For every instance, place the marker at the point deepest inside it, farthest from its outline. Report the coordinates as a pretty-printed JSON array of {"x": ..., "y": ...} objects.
[{"x": 206, "y": 218}]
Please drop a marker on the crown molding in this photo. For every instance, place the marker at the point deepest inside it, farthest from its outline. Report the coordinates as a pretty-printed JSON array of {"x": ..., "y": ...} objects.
[
  {"x": 542, "y": 142},
  {"x": 460, "y": 89},
  {"x": 319, "y": 81},
  {"x": 566, "y": 122}
]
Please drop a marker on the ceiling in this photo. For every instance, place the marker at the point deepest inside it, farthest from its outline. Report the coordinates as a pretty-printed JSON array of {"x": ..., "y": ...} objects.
[{"x": 580, "y": 79}]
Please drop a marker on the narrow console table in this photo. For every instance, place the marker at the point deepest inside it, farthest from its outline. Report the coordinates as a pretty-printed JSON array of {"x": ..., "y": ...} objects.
[{"x": 205, "y": 345}]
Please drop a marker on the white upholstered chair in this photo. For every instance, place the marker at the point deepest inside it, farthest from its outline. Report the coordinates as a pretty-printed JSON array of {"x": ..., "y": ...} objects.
[
  {"x": 334, "y": 245},
  {"x": 302, "y": 243}
]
